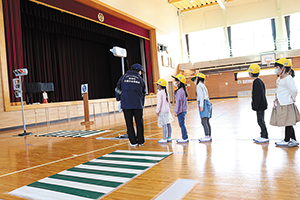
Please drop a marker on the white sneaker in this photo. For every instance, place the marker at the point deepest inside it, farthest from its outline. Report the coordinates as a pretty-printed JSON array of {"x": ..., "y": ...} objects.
[
  {"x": 169, "y": 139},
  {"x": 133, "y": 145},
  {"x": 282, "y": 143},
  {"x": 182, "y": 140},
  {"x": 296, "y": 141},
  {"x": 205, "y": 139},
  {"x": 261, "y": 140},
  {"x": 162, "y": 141},
  {"x": 293, "y": 143}
]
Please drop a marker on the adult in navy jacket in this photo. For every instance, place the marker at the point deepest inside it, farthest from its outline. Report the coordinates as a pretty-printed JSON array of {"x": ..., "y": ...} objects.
[{"x": 131, "y": 92}]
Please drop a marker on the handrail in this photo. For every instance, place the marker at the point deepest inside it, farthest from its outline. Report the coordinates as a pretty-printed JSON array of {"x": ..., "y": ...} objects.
[{"x": 62, "y": 104}]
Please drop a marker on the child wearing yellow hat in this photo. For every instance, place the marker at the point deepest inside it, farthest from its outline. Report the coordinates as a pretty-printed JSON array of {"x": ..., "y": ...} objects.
[
  {"x": 163, "y": 110},
  {"x": 181, "y": 105},
  {"x": 204, "y": 105},
  {"x": 285, "y": 112},
  {"x": 259, "y": 102}
]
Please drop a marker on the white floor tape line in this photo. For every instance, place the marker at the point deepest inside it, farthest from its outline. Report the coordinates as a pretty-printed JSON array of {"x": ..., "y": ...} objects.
[
  {"x": 177, "y": 190},
  {"x": 93, "y": 179}
]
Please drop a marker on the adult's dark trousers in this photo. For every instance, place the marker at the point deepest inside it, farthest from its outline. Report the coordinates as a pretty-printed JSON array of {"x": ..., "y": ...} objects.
[
  {"x": 289, "y": 133},
  {"x": 138, "y": 117},
  {"x": 261, "y": 122}
]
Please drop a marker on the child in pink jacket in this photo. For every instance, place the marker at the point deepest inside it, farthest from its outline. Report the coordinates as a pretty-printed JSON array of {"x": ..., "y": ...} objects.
[{"x": 163, "y": 110}]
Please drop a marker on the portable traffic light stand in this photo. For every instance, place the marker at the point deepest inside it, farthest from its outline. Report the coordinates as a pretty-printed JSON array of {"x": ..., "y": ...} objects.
[{"x": 18, "y": 90}]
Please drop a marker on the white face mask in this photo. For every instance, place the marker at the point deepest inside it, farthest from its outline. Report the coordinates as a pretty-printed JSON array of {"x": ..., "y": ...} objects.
[{"x": 175, "y": 83}]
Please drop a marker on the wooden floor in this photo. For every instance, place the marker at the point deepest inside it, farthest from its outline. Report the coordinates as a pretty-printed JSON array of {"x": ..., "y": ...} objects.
[{"x": 232, "y": 166}]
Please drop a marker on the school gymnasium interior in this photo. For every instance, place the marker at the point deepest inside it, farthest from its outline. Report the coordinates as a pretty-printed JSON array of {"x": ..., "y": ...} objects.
[{"x": 66, "y": 139}]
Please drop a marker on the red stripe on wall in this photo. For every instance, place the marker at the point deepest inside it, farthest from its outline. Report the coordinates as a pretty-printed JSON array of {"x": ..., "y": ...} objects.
[{"x": 91, "y": 13}]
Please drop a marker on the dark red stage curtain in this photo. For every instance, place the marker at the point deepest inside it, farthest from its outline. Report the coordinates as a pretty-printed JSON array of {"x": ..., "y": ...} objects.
[
  {"x": 66, "y": 50},
  {"x": 13, "y": 33},
  {"x": 69, "y": 51},
  {"x": 149, "y": 66}
]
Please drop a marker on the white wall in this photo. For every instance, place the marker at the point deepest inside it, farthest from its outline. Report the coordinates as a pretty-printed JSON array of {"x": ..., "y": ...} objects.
[
  {"x": 172, "y": 41},
  {"x": 237, "y": 11},
  {"x": 155, "y": 12},
  {"x": 163, "y": 16}
]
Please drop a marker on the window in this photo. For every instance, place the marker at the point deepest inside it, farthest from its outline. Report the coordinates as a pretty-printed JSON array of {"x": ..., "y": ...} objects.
[
  {"x": 295, "y": 30},
  {"x": 208, "y": 44},
  {"x": 252, "y": 38}
]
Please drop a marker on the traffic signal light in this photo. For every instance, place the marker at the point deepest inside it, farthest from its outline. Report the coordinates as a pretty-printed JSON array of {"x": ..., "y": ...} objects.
[{"x": 20, "y": 72}]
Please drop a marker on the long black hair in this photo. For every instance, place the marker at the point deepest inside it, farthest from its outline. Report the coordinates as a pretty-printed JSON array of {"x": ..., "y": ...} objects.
[
  {"x": 288, "y": 70},
  {"x": 165, "y": 88},
  {"x": 181, "y": 85}
]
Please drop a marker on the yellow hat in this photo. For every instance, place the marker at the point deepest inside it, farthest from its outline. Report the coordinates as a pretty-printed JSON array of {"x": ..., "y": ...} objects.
[
  {"x": 283, "y": 61},
  {"x": 162, "y": 82},
  {"x": 180, "y": 77},
  {"x": 254, "y": 69},
  {"x": 198, "y": 75}
]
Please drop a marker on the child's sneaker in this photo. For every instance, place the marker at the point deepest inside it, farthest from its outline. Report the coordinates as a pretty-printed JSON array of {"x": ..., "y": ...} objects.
[
  {"x": 169, "y": 139},
  {"x": 261, "y": 140},
  {"x": 281, "y": 143},
  {"x": 205, "y": 139},
  {"x": 162, "y": 141},
  {"x": 182, "y": 140},
  {"x": 133, "y": 145},
  {"x": 293, "y": 143}
]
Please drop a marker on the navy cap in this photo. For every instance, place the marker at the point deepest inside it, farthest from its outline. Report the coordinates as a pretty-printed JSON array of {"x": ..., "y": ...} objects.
[{"x": 137, "y": 66}]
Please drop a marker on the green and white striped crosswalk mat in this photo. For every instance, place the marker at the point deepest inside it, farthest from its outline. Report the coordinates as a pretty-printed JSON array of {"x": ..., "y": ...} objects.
[
  {"x": 72, "y": 133},
  {"x": 93, "y": 179}
]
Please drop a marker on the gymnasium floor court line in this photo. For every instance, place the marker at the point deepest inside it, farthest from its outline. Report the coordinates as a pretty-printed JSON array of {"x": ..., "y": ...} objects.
[{"x": 230, "y": 167}]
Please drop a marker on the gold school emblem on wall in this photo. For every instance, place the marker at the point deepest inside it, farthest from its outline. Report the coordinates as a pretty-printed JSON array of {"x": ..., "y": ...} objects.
[{"x": 101, "y": 17}]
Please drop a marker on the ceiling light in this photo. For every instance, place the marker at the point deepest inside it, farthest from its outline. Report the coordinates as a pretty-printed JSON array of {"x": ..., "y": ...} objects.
[{"x": 191, "y": 1}]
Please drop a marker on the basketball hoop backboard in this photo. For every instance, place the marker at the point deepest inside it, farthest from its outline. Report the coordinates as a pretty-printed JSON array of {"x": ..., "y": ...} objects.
[{"x": 267, "y": 58}]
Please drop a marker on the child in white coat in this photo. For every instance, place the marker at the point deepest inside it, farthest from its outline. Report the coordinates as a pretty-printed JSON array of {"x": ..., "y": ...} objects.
[{"x": 285, "y": 112}]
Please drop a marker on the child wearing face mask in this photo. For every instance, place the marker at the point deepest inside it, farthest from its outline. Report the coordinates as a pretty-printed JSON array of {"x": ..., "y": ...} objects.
[
  {"x": 285, "y": 113},
  {"x": 204, "y": 105},
  {"x": 163, "y": 110},
  {"x": 181, "y": 105}
]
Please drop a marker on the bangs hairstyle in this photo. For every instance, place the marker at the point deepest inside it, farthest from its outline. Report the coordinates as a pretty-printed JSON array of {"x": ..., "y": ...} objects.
[
  {"x": 200, "y": 80},
  {"x": 278, "y": 65},
  {"x": 255, "y": 74},
  {"x": 181, "y": 85}
]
